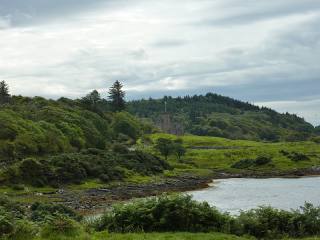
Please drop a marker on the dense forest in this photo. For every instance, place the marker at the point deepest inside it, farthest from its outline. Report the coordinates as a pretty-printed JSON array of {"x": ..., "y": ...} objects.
[{"x": 215, "y": 115}]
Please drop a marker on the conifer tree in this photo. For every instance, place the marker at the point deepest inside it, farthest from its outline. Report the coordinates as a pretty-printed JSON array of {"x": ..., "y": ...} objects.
[
  {"x": 116, "y": 95},
  {"x": 4, "y": 92}
]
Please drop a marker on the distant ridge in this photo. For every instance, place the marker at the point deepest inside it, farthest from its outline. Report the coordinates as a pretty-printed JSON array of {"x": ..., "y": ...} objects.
[{"x": 216, "y": 115}]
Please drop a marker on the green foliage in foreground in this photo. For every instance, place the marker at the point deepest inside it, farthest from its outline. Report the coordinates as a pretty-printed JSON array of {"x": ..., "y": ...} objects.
[
  {"x": 181, "y": 213},
  {"x": 174, "y": 214},
  {"x": 153, "y": 236},
  {"x": 164, "y": 214}
]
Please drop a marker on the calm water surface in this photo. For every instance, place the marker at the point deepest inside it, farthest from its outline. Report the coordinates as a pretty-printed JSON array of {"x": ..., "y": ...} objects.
[{"x": 231, "y": 195}]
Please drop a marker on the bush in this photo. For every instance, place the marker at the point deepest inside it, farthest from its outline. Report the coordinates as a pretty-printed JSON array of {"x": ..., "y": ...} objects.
[
  {"x": 6, "y": 224},
  {"x": 297, "y": 157},
  {"x": 270, "y": 223},
  {"x": 18, "y": 187},
  {"x": 120, "y": 148},
  {"x": 41, "y": 211},
  {"x": 262, "y": 160},
  {"x": 87, "y": 164},
  {"x": 242, "y": 164},
  {"x": 264, "y": 222},
  {"x": 60, "y": 225},
  {"x": 12, "y": 208},
  {"x": 246, "y": 163},
  {"x": 33, "y": 172},
  {"x": 165, "y": 213},
  {"x": 315, "y": 139},
  {"x": 124, "y": 123},
  {"x": 180, "y": 213},
  {"x": 24, "y": 230},
  {"x": 284, "y": 153}
]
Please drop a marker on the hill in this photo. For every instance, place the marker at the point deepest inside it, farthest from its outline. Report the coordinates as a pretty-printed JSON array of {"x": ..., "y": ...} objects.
[
  {"x": 46, "y": 142},
  {"x": 219, "y": 116}
]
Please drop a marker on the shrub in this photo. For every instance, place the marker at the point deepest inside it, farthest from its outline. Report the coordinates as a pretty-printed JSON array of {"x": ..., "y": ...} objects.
[
  {"x": 77, "y": 167},
  {"x": 6, "y": 224},
  {"x": 262, "y": 160},
  {"x": 143, "y": 163},
  {"x": 24, "y": 230},
  {"x": 18, "y": 187},
  {"x": 124, "y": 123},
  {"x": 264, "y": 222},
  {"x": 296, "y": 157},
  {"x": 41, "y": 211},
  {"x": 12, "y": 208},
  {"x": 60, "y": 225},
  {"x": 32, "y": 172},
  {"x": 284, "y": 153},
  {"x": 120, "y": 148},
  {"x": 306, "y": 221},
  {"x": 164, "y": 213},
  {"x": 246, "y": 163},
  {"x": 270, "y": 223},
  {"x": 315, "y": 139}
]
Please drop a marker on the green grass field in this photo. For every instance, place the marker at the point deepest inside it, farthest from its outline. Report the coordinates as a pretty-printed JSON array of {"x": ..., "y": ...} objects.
[{"x": 222, "y": 153}]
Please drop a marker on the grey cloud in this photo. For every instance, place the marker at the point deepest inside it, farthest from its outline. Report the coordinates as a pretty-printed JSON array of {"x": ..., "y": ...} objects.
[
  {"x": 138, "y": 54},
  {"x": 155, "y": 60},
  {"x": 250, "y": 11},
  {"x": 5, "y": 22},
  {"x": 169, "y": 43},
  {"x": 30, "y": 12}
]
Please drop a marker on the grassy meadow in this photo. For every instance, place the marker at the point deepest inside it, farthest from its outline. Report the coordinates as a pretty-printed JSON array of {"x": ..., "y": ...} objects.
[{"x": 207, "y": 155}]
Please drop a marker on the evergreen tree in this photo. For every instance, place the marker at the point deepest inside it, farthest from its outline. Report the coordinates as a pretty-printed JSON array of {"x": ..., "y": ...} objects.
[
  {"x": 4, "y": 92},
  {"x": 116, "y": 95}
]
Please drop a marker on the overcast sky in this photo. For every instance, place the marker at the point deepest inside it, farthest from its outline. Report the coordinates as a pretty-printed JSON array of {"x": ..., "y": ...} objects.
[{"x": 266, "y": 52}]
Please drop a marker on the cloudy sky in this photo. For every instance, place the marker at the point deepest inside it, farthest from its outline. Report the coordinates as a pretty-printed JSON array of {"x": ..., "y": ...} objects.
[{"x": 266, "y": 52}]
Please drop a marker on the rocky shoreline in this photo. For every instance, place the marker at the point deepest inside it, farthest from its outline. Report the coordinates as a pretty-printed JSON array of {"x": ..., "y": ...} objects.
[{"x": 96, "y": 200}]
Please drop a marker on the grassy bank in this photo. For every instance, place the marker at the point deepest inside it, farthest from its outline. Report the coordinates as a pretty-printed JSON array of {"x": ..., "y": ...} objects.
[
  {"x": 174, "y": 216},
  {"x": 207, "y": 155}
]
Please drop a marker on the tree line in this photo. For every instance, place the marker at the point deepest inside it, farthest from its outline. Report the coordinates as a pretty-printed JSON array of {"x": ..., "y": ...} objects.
[
  {"x": 219, "y": 116},
  {"x": 92, "y": 100}
]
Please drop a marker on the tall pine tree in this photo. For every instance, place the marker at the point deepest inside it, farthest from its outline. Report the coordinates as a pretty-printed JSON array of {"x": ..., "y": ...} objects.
[
  {"x": 4, "y": 92},
  {"x": 116, "y": 95}
]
